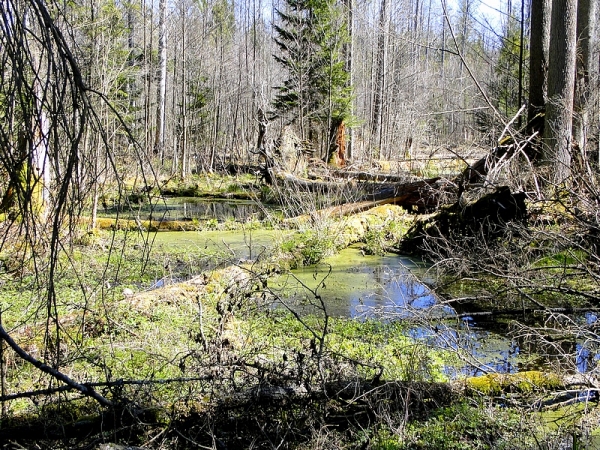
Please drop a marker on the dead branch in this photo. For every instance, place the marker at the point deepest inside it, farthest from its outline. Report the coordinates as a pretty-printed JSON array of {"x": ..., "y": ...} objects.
[
  {"x": 116, "y": 383},
  {"x": 84, "y": 389}
]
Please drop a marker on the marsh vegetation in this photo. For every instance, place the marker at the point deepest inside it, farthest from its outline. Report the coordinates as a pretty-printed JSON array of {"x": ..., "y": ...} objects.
[{"x": 354, "y": 244}]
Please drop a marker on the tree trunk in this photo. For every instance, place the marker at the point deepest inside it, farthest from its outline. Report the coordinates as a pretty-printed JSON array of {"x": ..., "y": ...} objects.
[
  {"x": 159, "y": 142},
  {"x": 348, "y": 53},
  {"x": 561, "y": 83},
  {"x": 337, "y": 144},
  {"x": 538, "y": 63},
  {"x": 521, "y": 50},
  {"x": 183, "y": 142},
  {"x": 262, "y": 130},
  {"x": 585, "y": 38}
]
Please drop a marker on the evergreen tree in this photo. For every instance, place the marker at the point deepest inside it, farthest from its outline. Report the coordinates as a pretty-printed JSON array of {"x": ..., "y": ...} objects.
[
  {"x": 506, "y": 86},
  {"x": 315, "y": 96}
]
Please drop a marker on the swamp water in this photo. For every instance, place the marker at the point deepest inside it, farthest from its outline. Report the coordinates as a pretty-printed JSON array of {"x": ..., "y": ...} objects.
[
  {"x": 351, "y": 284},
  {"x": 393, "y": 287}
]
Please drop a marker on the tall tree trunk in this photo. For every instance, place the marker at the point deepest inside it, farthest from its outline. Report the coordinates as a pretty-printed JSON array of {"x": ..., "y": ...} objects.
[
  {"x": 159, "y": 141},
  {"x": 586, "y": 13},
  {"x": 147, "y": 42},
  {"x": 382, "y": 51},
  {"x": 183, "y": 142},
  {"x": 561, "y": 84},
  {"x": 40, "y": 158},
  {"x": 348, "y": 53},
  {"x": 521, "y": 51},
  {"x": 538, "y": 62}
]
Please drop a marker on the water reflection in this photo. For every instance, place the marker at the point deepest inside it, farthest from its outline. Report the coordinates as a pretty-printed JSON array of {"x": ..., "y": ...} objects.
[
  {"x": 478, "y": 351},
  {"x": 354, "y": 285},
  {"x": 388, "y": 288},
  {"x": 191, "y": 208}
]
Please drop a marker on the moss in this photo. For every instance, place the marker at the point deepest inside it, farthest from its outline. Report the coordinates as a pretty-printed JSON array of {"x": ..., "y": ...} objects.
[
  {"x": 525, "y": 382},
  {"x": 213, "y": 185}
]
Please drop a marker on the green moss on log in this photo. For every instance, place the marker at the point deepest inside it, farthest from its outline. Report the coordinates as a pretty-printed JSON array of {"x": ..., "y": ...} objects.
[{"x": 523, "y": 382}]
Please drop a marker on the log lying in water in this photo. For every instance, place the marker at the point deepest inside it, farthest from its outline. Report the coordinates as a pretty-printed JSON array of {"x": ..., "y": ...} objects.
[{"x": 421, "y": 195}]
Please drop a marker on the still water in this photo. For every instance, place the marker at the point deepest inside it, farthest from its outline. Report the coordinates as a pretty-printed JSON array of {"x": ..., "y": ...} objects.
[
  {"x": 391, "y": 287},
  {"x": 190, "y": 208},
  {"x": 394, "y": 287}
]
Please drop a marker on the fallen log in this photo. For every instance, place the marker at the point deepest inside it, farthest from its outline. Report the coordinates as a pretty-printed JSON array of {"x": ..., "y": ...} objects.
[
  {"x": 368, "y": 176},
  {"x": 352, "y": 208},
  {"x": 306, "y": 185},
  {"x": 422, "y": 195},
  {"x": 485, "y": 217}
]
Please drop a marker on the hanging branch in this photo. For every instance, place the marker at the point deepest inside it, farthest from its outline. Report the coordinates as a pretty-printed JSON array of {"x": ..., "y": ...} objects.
[{"x": 84, "y": 389}]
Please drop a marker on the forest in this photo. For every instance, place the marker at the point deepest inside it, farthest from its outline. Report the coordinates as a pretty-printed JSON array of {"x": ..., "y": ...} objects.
[{"x": 299, "y": 224}]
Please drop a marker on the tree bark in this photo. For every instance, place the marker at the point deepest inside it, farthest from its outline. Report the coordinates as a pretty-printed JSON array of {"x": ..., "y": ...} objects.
[
  {"x": 586, "y": 13},
  {"x": 337, "y": 144},
  {"x": 538, "y": 64},
  {"x": 561, "y": 83}
]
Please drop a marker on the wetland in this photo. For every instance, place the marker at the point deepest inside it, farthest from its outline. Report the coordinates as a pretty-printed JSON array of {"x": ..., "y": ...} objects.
[{"x": 282, "y": 307}]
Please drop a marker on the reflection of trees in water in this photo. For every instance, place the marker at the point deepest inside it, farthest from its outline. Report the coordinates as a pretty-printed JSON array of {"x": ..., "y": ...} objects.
[
  {"x": 379, "y": 295},
  {"x": 200, "y": 210},
  {"x": 554, "y": 345},
  {"x": 223, "y": 211},
  {"x": 395, "y": 291}
]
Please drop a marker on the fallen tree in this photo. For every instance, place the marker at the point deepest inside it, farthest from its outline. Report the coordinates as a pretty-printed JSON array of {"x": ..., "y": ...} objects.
[
  {"x": 486, "y": 216},
  {"x": 421, "y": 195}
]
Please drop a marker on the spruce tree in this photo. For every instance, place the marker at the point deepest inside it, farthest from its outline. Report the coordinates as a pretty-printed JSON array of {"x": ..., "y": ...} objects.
[{"x": 315, "y": 96}]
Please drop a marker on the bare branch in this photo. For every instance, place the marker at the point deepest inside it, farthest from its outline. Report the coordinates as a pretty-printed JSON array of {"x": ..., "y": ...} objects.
[{"x": 84, "y": 389}]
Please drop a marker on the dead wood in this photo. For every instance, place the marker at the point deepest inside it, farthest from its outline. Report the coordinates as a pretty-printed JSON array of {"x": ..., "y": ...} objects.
[
  {"x": 82, "y": 388},
  {"x": 414, "y": 396},
  {"x": 369, "y": 176},
  {"x": 486, "y": 217},
  {"x": 422, "y": 195},
  {"x": 478, "y": 171},
  {"x": 351, "y": 208}
]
